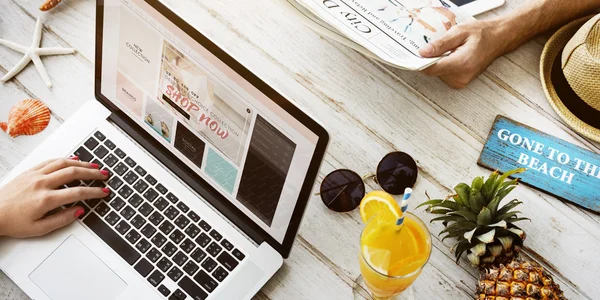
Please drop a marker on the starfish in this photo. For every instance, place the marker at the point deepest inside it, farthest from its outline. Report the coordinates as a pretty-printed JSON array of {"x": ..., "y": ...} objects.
[{"x": 33, "y": 53}]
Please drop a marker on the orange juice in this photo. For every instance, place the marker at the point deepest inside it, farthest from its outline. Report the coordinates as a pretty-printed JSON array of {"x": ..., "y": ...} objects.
[{"x": 392, "y": 257}]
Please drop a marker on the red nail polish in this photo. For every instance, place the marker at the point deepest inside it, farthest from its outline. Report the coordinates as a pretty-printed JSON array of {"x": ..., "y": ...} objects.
[
  {"x": 104, "y": 172},
  {"x": 94, "y": 166},
  {"x": 106, "y": 190},
  {"x": 74, "y": 157},
  {"x": 79, "y": 212}
]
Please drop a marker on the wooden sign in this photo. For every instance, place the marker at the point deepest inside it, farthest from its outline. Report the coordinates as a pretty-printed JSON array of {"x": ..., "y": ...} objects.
[{"x": 553, "y": 165}]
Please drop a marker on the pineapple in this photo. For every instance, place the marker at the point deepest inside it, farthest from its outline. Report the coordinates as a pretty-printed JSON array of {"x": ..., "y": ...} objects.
[{"x": 487, "y": 233}]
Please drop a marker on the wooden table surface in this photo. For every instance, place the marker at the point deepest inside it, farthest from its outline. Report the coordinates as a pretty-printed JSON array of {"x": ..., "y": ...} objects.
[{"x": 369, "y": 109}]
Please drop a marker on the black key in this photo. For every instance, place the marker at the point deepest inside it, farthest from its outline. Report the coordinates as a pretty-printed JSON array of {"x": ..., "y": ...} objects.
[
  {"x": 111, "y": 195},
  {"x": 102, "y": 209},
  {"x": 153, "y": 255},
  {"x": 120, "y": 153},
  {"x": 192, "y": 289},
  {"x": 140, "y": 171},
  {"x": 155, "y": 218},
  {"x": 101, "y": 152},
  {"x": 143, "y": 267},
  {"x": 120, "y": 169},
  {"x": 225, "y": 243},
  {"x": 115, "y": 183},
  {"x": 209, "y": 264},
  {"x": 110, "y": 145},
  {"x": 187, "y": 246},
  {"x": 145, "y": 209},
  {"x": 203, "y": 240},
  {"x": 98, "y": 162},
  {"x": 138, "y": 221},
  {"x": 175, "y": 274},
  {"x": 190, "y": 268},
  {"x": 228, "y": 261},
  {"x": 192, "y": 231},
  {"x": 128, "y": 212},
  {"x": 125, "y": 192},
  {"x": 91, "y": 143},
  {"x": 172, "y": 198},
  {"x": 122, "y": 227},
  {"x": 130, "y": 177},
  {"x": 156, "y": 278},
  {"x": 180, "y": 258},
  {"x": 217, "y": 236},
  {"x": 176, "y": 236},
  {"x": 83, "y": 154},
  {"x": 164, "y": 264},
  {"x": 110, "y": 160},
  {"x": 205, "y": 281},
  {"x": 195, "y": 217},
  {"x": 161, "y": 203},
  {"x": 148, "y": 230},
  {"x": 184, "y": 208},
  {"x": 112, "y": 218},
  {"x": 150, "y": 194},
  {"x": 213, "y": 249},
  {"x": 171, "y": 212},
  {"x": 86, "y": 209},
  {"x": 151, "y": 180},
  {"x": 112, "y": 239},
  {"x": 166, "y": 227},
  {"x": 164, "y": 290},
  {"x": 178, "y": 295},
  {"x": 169, "y": 249},
  {"x": 140, "y": 186},
  {"x": 117, "y": 203},
  {"x": 135, "y": 200},
  {"x": 92, "y": 202},
  {"x": 198, "y": 255},
  {"x": 133, "y": 236},
  {"x": 182, "y": 221},
  {"x": 159, "y": 187},
  {"x": 99, "y": 135},
  {"x": 205, "y": 226},
  {"x": 158, "y": 240},
  {"x": 130, "y": 162},
  {"x": 220, "y": 274},
  {"x": 143, "y": 245}
]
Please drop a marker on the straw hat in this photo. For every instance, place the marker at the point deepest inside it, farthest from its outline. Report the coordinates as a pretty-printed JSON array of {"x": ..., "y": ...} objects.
[{"x": 570, "y": 73}]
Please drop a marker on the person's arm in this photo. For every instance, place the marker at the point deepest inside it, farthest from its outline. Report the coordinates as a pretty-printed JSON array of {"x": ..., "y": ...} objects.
[{"x": 476, "y": 44}]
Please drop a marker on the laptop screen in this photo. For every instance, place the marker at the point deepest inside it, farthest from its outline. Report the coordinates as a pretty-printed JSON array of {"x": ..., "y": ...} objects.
[{"x": 236, "y": 138}]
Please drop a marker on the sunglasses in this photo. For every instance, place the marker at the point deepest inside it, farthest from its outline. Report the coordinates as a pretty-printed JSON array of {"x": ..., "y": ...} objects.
[{"x": 343, "y": 189}]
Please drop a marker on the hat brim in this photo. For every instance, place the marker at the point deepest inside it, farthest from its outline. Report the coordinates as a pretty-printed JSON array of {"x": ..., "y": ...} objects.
[{"x": 572, "y": 109}]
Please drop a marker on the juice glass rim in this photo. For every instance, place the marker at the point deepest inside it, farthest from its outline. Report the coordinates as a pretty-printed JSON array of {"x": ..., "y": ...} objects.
[{"x": 417, "y": 219}]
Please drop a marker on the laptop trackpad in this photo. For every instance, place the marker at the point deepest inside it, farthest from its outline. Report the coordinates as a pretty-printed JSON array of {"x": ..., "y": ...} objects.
[{"x": 73, "y": 272}]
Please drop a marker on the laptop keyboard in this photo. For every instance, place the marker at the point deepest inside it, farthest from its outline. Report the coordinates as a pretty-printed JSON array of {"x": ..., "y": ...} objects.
[{"x": 154, "y": 232}]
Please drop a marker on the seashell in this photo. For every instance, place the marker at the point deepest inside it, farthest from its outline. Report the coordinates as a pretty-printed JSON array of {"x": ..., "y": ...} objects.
[
  {"x": 49, "y": 4},
  {"x": 27, "y": 117}
]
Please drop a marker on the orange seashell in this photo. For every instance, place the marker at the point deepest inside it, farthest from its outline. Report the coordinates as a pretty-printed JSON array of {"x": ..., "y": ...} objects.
[
  {"x": 49, "y": 4},
  {"x": 27, "y": 117}
]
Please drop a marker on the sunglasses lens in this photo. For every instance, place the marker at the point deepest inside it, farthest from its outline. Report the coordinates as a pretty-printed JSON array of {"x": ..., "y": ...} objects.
[
  {"x": 342, "y": 190},
  {"x": 396, "y": 172}
]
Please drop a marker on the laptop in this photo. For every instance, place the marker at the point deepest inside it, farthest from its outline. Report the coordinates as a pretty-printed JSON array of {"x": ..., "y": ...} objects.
[{"x": 211, "y": 171}]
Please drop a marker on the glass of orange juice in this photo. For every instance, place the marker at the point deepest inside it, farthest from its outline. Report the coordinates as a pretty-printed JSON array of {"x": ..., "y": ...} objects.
[{"x": 391, "y": 256}]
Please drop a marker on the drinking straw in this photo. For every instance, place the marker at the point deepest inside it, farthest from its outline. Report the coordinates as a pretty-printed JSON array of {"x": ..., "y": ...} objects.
[{"x": 404, "y": 205}]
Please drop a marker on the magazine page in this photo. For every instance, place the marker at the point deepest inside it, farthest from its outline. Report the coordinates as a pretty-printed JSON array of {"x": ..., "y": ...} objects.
[{"x": 393, "y": 30}]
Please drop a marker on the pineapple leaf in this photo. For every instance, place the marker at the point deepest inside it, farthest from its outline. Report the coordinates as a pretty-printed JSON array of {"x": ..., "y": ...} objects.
[
  {"x": 493, "y": 205},
  {"x": 484, "y": 217},
  {"x": 460, "y": 249},
  {"x": 513, "y": 220},
  {"x": 462, "y": 190},
  {"x": 447, "y": 218},
  {"x": 460, "y": 226},
  {"x": 477, "y": 184},
  {"x": 471, "y": 216},
  {"x": 477, "y": 201},
  {"x": 489, "y": 185},
  {"x": 506, "y": 216},
  {"x": 504, "y": 192},
  {"x": 431, "y": 202},
  {"x": 508, "y": 206},
  {"x": 439, "y": 211},
  {"x": 451, "y": 235},
  {"x": 500, "y": 180}
]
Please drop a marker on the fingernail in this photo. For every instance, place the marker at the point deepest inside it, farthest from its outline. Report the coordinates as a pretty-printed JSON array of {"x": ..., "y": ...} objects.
[
  {"x": 427, "y": 49},
  {"x": 106, "y": 190},
  {"x": 104, "y": 172},
  {"x": 74, "y": 157},
  {"x": 94, "y": 166},
  {"x": 79, "y": 212}
]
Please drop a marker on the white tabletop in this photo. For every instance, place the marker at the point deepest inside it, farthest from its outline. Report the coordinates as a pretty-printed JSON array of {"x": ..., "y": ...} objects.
[{"x": 369, "y": 109}]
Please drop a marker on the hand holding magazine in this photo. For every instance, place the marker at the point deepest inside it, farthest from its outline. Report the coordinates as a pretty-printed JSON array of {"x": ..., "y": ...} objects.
[{"x": 391, "y": 31}]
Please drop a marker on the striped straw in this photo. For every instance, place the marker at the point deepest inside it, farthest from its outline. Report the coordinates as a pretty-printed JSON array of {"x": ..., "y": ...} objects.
[{"x": 404, "y": 205}]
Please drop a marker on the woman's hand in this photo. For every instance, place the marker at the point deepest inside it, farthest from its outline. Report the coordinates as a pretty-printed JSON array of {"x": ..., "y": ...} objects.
[{"x": 25, "y": 201}]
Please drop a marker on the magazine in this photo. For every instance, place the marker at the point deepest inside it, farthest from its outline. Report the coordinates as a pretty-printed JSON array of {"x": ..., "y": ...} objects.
[{"x": 391, "y": 31}]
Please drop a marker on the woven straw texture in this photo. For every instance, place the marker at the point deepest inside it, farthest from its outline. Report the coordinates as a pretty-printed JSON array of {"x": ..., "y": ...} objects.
[{"x": 553, "y": 48}]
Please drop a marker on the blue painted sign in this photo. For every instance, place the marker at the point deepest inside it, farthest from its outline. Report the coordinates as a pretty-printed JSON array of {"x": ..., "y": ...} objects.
[{"x": 553, "y": 165}]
